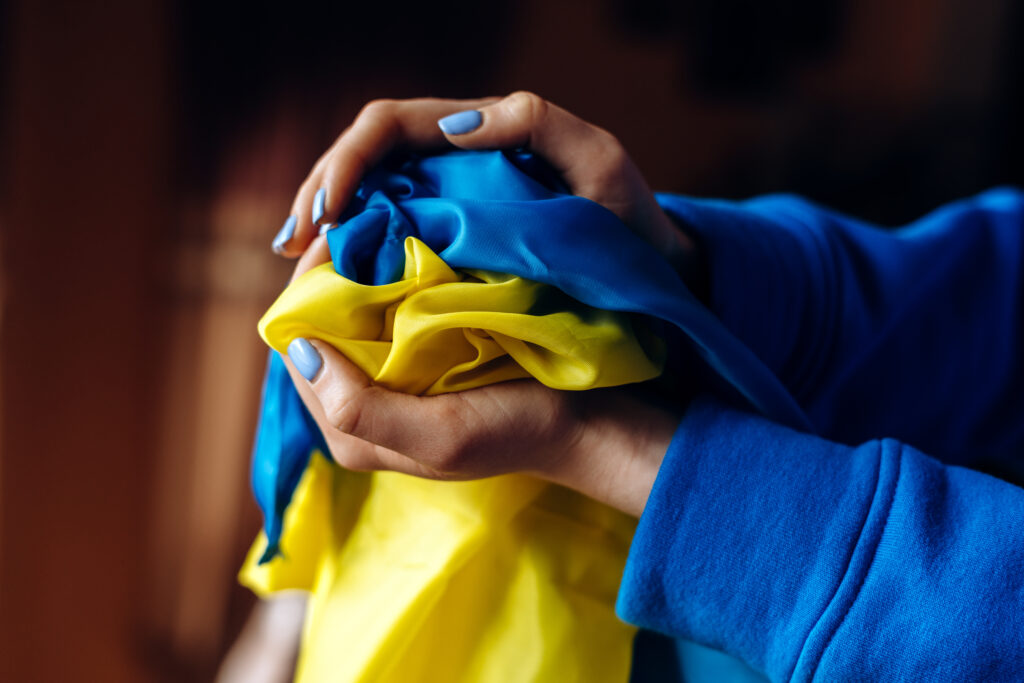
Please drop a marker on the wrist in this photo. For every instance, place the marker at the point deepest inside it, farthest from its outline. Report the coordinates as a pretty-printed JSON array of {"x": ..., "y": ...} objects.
[{"x": 618, "y": 448}]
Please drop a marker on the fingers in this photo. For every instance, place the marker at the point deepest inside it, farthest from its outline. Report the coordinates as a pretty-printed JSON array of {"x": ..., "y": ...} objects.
[
  {"x": 317, "y": 253},
  {"x": 591, "y": 161},
  {"x": 369, "y": 427},
  {"x": 589, "y": 158},
  {"x": 381, "y": 127},
  {"x": 572, "y": 146}
]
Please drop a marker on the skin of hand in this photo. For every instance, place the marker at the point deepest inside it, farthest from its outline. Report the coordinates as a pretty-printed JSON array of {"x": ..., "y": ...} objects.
[{"x": 604, "y": 443}]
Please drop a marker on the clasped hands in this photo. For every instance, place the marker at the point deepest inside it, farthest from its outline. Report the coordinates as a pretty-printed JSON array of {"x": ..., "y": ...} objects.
[{"x": 605, "y": 443}]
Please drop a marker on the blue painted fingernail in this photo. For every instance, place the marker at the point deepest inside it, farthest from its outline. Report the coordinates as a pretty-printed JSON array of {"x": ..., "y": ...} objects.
[
  {"x": 304, "y": 357},
  {"x": 327, "y": 226},
  {"x": 319, "y": 204},
  {"x": 284, "y": 234},
  {"x": 460, "y": 123}
]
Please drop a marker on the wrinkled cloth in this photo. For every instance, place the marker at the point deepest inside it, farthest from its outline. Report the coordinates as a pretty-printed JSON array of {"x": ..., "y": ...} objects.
[
  {"x": 505, "y": 213},
  {"x": 454, "y": 581},
  {"x": 547, "y": 613}
]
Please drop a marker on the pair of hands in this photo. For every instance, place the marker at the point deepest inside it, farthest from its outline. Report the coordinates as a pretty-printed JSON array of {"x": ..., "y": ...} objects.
[{"x": 604, "y": 443}]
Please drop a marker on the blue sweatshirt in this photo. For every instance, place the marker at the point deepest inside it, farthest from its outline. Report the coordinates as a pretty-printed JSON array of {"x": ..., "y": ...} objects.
[{"x": 866, "y": 551}]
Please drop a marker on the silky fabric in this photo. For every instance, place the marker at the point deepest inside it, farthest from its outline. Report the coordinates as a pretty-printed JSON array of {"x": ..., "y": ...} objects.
[
  {"x": 505, "y": 212},
  {"x": 435, "y": 331},
  {"x": 428, "y": 580},
  {"x": 480, "y": 212}
]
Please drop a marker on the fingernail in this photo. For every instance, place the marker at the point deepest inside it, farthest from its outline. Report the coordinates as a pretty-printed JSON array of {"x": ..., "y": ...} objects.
[
  {"x": 319, "y": 204},
  {"x": 327, "y": 226},
  {"x": 284, "y": 234},
  {"x": 461, "y": 122},
  {"x": 304, "y": 357}
]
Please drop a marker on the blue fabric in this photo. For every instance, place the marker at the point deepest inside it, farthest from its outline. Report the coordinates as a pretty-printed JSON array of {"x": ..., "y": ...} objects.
[
  {"x": 285, "y": 437},
  {"x": 805, "y": 556},
  {"x": 809, "y": 558},
  {"x": 494, "y": 211},
  {"x": 504, "y": 212}
]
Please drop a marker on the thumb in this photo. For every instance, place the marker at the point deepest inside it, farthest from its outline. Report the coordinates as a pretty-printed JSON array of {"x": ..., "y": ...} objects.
[{"x": 343, "y": 399}]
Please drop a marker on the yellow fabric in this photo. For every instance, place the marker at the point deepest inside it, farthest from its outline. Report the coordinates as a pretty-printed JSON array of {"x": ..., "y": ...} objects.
[{"x": 501, "y": 580}]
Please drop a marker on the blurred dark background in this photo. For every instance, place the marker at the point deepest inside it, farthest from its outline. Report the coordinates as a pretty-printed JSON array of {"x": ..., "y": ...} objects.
[{"x": 149, "y": 152}]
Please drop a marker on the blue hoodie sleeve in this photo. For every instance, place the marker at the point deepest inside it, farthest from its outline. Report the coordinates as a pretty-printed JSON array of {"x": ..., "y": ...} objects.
[
  {"x": 812, "y": 560},
  {"x": 913, "y": 333}
]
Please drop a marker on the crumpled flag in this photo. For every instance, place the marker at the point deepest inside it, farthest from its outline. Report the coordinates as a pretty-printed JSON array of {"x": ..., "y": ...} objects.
[
  {"x": 435, "y": 331},
  {"x": 505, "y": 579}
]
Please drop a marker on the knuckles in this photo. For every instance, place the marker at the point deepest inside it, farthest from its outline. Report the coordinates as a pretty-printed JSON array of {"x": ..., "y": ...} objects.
[
  {"x": 346, "y": 413},
  {"x": 611, "y": 148},
  {"x": 614, "y": 159},
  {"x": 526, "y": 108},
  {"x": 448, "y": 452},
  {"x": 609, "y": 174},
  {"x": 377, "y": 109},
  {"x": 353, "y": 459}
]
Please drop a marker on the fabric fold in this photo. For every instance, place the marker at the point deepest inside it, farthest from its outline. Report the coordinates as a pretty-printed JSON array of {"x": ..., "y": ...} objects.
[
  {"x": 448, "y": 273},
  {"x": 417, "y": 577}
]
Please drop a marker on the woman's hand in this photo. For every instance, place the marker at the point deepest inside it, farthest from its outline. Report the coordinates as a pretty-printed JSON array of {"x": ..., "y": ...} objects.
[
  {"x": 591, "y": 161},
  {"x": 603, "y": 443}
]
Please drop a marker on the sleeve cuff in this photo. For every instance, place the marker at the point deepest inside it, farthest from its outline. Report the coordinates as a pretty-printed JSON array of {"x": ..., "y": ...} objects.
[{"x": 748, "y": 535}]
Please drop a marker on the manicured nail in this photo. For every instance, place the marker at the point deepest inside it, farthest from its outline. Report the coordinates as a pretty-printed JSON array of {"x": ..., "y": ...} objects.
[
  {"x": 460, "y": 123},
  {"x": 304, "y": 357},
  {"x": 284, "y": 234},
  {"x": 319, "y": 205},
  {"x": 327, "y": 226}
]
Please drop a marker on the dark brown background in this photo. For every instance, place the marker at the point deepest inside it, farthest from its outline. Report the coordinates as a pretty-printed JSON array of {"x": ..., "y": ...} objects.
[{"x": 148, "y": 153}]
